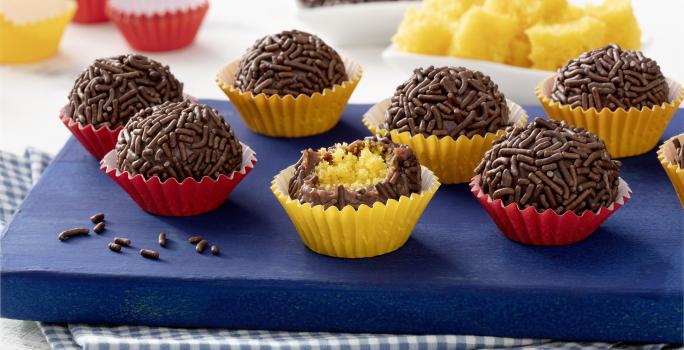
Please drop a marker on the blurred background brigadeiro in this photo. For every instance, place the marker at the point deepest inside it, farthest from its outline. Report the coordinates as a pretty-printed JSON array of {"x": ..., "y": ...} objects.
[{"x": 45, "y": 44}]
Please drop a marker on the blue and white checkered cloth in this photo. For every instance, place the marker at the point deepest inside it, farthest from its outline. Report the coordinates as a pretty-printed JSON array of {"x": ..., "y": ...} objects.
[{"x": 19, "y": 173}]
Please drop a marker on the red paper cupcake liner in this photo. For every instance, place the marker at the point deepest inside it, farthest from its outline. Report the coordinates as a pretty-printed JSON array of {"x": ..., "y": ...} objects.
[
  {"x": 171, "y": 198},
  {"x": 98, "y": 141},
  {"x": 91, "y": 11},
  {"x": 546, "y": 228},
  {"x": 159, "y": 32}
]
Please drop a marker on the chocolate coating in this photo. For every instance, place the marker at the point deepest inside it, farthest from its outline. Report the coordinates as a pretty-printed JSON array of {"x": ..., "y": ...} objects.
[
  {"x": 113, "y": 89},
  {"x": 178, "y": 140},
  {"x": 550, "y": 165},
  {"x": 403, "y": 178},
  {"x": 612, "y": 78},
  {"x": 290, "y": 63},
  {"x": 447, "y": 101},
  {"x": 679, "y": 153}
]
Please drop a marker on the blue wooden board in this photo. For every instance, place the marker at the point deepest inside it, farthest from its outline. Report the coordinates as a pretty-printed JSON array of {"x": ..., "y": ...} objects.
[{"x": 457, "y": 273}]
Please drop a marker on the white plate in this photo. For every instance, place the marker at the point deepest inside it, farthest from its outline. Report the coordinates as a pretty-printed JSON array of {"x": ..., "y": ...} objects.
[
  {"x": 516, "y": 83},
  {"x": 353, "y": 24}
]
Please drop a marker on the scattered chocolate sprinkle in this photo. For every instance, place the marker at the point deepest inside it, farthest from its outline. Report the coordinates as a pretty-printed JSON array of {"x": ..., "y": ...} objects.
[
  {"x": 610, "y": 77},
  {"x": 149, "y": 253},
  {"x": 99, "y": 217},
  {"x": 679, "y": 153},
  {"x": 548, "y": 164},
  {"x": 162, "y": 239},
  {"x": 447, "y": 101},
  {"x": 114, "y": 247},
  {"x": 289, "y": 63},
  {"x": 195, "y": 239},
  {"x": 403, "y": 177},
  {"x": 178, "y": 140},
  {"x": 113, "y": 89},
  {"x": 215, "y": 250},
  {"x": 122, "y": 241},
  {"x": 77, "y": 231},
  {"x": 201, "y": 245},
  {"x": 99, "y": 227}
]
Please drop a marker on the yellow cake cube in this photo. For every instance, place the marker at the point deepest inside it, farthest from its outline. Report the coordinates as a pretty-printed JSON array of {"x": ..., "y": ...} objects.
[
  {"x": 553, "y": 45},
  {"x": 520, "y": 52},
  {"x": 422, "y": 32},
  {"x": 484, "y": 35},
  {"x": 623, "y": 27},
  {"x": 450, "y": 10}
]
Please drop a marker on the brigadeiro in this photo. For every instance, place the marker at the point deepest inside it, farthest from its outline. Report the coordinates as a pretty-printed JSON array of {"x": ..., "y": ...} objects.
[
  {"x": 178, "y": 158},
  {"x": 549, "y": 183},
  {"x": 355, "y": 200},
  {"x": 610, "y": 77},
  {"x": 363, "y": 172},
  {"x": 671, "y": 156},
  {"x": 447, "y": 101},
  {"x": 290, "y": 84},
  {"x": 290, "y": 63},
  {"x": 449, "y": 116},
  {"x": 621, "y": 95},
  {"x": 111, "y": 91}
]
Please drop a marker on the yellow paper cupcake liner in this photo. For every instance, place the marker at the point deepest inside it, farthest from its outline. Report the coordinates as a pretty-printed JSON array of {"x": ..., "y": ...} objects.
[
  {"x": 453, "y": 161},
  {"x": 289, "y": 116},
  {"x": 626, "y": 132},
  {"x": 361, "y": 233},
  {"x": 21, "y": 43},
  {"x": 666, "y": 154}
]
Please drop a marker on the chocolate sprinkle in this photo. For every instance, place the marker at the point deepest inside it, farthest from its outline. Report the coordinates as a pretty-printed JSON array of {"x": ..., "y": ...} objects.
[
  {"x": 112, "y": 90},
  {"x": 447, "y": 101},
  {"x": 550, "y": 165},
  {"x": 679, "y": 153},
  {"x": 77, "y": 231},
  {"x": 178, "y": 140},
  {"x": 289, "y": 63},
  {"x": 403, "y": 178},
  {"x": 610, "y": 77}
]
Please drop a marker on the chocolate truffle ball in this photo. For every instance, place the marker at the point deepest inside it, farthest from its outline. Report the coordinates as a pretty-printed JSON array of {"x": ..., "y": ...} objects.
[
  {"x": 550, "y": 165},
  {"x": 363, "y": 172},
  {"x": 178, "y": 140},
  {"x": 447, "y": 101},
  {"x": 112, "y": 90},
  {"x": 290, "y": 63},
  {"x": 610, "y": 77}
]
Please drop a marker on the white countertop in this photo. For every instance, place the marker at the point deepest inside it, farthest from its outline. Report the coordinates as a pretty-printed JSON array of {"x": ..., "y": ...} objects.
[{"x": 32, "y": 94}]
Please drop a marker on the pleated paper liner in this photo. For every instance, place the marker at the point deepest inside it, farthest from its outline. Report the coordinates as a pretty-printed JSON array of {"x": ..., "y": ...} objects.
[
  {"x": 626, "y": 132},
  {"x": 666, "y": 156},
  {"x": 453, "y": 161},
  {"x": 97, "y": 140},
  {"x": 91, "y": 11},
  {"x": 547, "y": 228},
  {"x": 361, "y": 233},
  {"x": 155, "y": 32},
  {"x": 34, "y": 41},
  {"x": 171, "y": 198},
  {"x": 290, "y": 116}
]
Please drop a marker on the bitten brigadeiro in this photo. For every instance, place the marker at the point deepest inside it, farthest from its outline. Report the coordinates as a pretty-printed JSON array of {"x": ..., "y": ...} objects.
[
  {"x": 610, "y": 77},
  {"x": 550, "y": 165},
  {"x": 447, "y": 101},
  {"x": 363, "y": 172},
  {"x": 290, "y": 63},
  {"x": 178, "y": 140},
  {"x": 112, "y": 90}
]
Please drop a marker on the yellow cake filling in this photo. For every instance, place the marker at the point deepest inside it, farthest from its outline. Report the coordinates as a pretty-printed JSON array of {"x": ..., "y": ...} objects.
[{"x": 341, "y": 167}]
